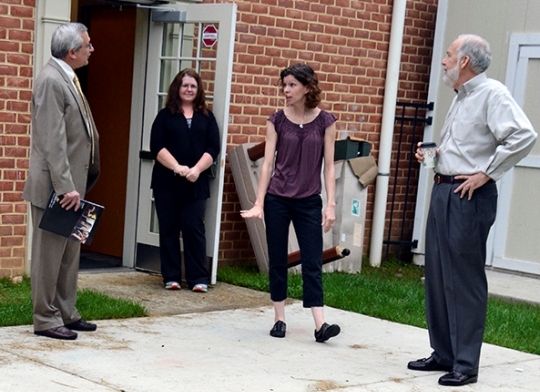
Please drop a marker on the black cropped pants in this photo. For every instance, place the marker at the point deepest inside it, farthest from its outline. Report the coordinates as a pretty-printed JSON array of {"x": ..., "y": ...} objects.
[{"x": 306, "y": 217}]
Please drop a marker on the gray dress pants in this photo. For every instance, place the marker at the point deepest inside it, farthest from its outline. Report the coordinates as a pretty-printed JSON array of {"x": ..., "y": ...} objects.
[
  {"x": 455, "y": 278},
  {"x": 54, "y": 272}
]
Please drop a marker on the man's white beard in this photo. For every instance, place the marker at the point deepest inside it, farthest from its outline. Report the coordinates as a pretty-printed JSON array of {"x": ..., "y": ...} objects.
[{"x": 451, "y": 76}]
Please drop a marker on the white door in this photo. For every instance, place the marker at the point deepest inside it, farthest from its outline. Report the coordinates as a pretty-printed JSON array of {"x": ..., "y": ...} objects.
[
  {"x": 199, "y": 36},
  {"x": 516, "y": 233}
]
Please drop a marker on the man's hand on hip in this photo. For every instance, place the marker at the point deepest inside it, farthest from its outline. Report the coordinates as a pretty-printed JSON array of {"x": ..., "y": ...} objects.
[{"x": 471, "y": 183}]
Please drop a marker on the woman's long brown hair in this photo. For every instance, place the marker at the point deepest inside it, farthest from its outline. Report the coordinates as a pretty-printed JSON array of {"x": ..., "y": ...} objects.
[{"x": 174, "y": 103}]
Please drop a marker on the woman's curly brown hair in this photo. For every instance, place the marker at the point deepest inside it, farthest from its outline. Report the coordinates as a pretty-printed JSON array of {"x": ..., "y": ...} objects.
[
  {"x": 174, "y": 103},
  {"x": 305, "y": 75}
]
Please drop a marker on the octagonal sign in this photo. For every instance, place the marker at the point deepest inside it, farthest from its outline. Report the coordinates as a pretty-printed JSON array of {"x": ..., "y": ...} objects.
[{"x": 209, "y": 36}]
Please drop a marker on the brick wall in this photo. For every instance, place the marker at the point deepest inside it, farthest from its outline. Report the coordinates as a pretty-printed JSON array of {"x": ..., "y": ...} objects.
[
  {"x": 16, "y": 50},
  {"x": 414, "y": 77},
  {"x": 346, "y": 42}
]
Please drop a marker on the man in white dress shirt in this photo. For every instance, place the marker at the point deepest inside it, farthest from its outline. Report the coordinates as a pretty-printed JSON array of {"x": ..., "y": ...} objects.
[{"x": 484, "y": 135}]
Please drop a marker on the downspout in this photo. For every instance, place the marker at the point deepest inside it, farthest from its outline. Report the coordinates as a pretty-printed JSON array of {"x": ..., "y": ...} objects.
[{"x": 387, "y": 131}]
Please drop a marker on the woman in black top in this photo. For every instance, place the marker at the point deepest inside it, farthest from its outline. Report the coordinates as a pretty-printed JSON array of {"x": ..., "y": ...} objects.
[{"x": 185, "y": 142}]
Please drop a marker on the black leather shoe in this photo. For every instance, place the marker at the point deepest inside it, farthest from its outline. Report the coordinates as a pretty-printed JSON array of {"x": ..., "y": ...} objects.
[
  {"x": 81, "y": 325},
  {"x": 457, "y": 379},
  {"x": 427, "y": 365},
  {"x": 58, "y": 333},
  {"x": 326, "y": 332},
  {"x": 279, "y": 329}
]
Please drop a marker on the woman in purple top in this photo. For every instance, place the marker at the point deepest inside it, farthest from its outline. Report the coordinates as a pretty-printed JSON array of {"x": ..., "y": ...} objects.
[{"x": 299, "y": 139}]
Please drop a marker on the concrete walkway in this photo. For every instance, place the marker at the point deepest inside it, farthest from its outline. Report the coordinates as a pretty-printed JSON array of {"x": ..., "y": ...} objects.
[
  {"x": 513, "y": 287},
  {"x": 230, "y": 350}
]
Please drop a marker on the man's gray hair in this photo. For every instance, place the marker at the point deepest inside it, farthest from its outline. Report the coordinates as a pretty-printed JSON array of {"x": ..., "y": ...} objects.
[
  {"x": 65, "y": 38},
  {"x": 478, "y": 51}
]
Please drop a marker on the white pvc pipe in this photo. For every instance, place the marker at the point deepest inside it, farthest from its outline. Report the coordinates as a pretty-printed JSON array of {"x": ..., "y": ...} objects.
[{"x": 387, "y": 131}]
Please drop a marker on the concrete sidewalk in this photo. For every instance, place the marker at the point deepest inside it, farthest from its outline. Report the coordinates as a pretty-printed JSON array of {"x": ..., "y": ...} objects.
[
  {"x": 230, "y": 350},
  {"x": 513, "y": 287}
]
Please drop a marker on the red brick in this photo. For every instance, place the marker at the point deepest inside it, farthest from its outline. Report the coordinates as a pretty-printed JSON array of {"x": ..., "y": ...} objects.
[
  {"x": 9, "y": 242},
  {"x": 12, "y": 262},
  {"x": 22, "y": 12},
  {"x": 347, "y": 45}
]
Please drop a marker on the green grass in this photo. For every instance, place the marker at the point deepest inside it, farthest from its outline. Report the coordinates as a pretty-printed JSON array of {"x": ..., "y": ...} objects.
[
  {"x": 16, "y": 305},
  {"x": 391, "y": 292},
  {"x": 395, "y": 292}
]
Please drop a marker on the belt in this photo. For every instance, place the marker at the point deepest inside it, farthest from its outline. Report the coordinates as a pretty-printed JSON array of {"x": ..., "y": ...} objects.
[{"x": 440, "y": 179}]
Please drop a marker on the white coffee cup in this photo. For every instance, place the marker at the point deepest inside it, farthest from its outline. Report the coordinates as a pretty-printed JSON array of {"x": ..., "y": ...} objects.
[{"x": 430, "y": 154}]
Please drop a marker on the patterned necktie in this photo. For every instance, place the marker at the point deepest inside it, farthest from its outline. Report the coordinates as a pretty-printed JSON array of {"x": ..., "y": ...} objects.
[{"x": 86, "y": 112}]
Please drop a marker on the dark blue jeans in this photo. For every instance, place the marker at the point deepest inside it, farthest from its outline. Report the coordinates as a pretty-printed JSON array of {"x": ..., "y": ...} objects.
[{"x": 306, "y": 216}]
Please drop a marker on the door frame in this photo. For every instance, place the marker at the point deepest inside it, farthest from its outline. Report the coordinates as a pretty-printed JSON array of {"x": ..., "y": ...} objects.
[
  {"x": 135, "y": 137},
  {"x": 425, "y": 177},
  {"x": 138, "y": 121},
  {"x": 523, "y": 46}
]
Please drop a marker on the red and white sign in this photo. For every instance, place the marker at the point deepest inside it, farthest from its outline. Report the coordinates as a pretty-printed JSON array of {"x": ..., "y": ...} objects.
[{"x": 209, "y": 36}]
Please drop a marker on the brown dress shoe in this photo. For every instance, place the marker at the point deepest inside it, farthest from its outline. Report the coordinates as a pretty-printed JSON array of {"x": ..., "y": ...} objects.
[
  {"x": 81, "y": 325},
  {"x": 58, "y": 333}
]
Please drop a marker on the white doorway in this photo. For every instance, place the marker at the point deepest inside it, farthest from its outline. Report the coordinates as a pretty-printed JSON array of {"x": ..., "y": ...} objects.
[
  {"x": 516, "y": 231},
  {"x": 177, "y": 36}
]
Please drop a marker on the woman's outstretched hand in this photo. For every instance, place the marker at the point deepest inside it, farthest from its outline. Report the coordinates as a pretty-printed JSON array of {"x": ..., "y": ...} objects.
[{"x": 254, "y": 212}]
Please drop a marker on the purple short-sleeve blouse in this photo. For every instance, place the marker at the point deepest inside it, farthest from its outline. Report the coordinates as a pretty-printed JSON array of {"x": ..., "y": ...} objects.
[{"x": 299, "y": 155}]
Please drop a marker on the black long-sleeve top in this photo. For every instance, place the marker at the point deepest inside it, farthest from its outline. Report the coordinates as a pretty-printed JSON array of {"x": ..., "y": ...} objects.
[{"x": 187, "y": 145}]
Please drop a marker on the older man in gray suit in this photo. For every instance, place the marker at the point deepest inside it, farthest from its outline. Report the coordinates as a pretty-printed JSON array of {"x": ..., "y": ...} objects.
[{"x": 64, "y": 157}]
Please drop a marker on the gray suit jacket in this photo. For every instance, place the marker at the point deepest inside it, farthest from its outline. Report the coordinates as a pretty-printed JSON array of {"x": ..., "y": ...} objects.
[{"x": 61, "y": 144}]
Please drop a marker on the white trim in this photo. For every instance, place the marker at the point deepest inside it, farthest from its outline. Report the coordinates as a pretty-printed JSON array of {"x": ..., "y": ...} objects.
[
  {"x": 517, "y": 42},
  {"x": 425, "y": 180},
  {"x": 225, "y": 55},
  {"x": 225, "y": 15},
  {"x": 529, "y": 162},
  {"x": 387, "y": 131},
  {"x": 135, "y": 135},
  {"x": 49, "y": 15},
  {"x": 522, "y": 47},
  {"x": 516, "y": 265}
]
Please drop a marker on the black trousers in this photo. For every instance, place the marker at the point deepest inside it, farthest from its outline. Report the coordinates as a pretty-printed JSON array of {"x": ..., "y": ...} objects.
[
  {"x": 306, "y": 216},
  {"x": 187, "y": 217},
  {"x": 455, "y": 278}
]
